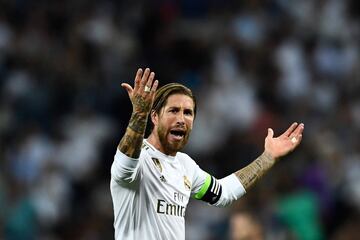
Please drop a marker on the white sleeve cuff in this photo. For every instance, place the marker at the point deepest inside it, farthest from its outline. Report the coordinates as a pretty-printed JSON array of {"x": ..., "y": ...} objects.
[
  {"x": 233, "y": 184},
  {"x": 232, "y": 190},
  {"x": 124, "y": 160},
  {"x": 124, "y": 168}
]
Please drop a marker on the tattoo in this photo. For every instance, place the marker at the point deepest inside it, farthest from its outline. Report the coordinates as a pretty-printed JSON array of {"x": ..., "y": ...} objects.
[
  {"x": 255, "y": 170},
  {"x": 132, "y": 140},
  {"x": 137, "y": 122},
  {"x": 131, "y": 143},
  {"x": 141, "y": 105}
]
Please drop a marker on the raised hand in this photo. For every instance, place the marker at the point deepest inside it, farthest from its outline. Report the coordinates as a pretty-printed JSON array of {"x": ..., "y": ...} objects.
[
  {"x": 142, "y": 98},
  {"x": 285, "y": 143},
  {"x": 274, "y": 149},
  {"x": 143, "y": 94}
]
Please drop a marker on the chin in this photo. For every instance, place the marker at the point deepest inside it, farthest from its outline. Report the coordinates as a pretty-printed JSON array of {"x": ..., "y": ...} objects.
[
  {"x": 172, "y": 147},
  {"x": 175, "y": 147}
]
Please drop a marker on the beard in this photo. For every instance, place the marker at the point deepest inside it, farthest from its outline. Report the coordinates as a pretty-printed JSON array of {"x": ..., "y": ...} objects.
[{"x": 171, "y": 147}]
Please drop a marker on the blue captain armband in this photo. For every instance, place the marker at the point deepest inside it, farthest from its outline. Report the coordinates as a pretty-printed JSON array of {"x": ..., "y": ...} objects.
[{"x": 210, "y": 191}]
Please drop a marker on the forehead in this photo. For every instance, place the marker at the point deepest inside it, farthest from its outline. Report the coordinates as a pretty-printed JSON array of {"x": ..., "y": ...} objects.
[{"x": 180, "y": 100}]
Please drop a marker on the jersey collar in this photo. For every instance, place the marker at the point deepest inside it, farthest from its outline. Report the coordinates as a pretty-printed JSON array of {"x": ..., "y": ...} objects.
[{"x": 158, "y": 153}]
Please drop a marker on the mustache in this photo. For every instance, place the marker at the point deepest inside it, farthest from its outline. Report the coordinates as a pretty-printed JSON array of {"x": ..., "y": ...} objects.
[{"x": 179, "y": 126}]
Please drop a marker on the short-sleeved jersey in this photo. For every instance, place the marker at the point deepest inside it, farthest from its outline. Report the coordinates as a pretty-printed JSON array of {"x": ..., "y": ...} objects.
[{"x": 150, "y": 194}]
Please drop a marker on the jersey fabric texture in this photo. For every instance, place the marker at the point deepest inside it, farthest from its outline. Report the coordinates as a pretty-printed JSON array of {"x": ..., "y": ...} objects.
[{"x": 150, "y": 194}]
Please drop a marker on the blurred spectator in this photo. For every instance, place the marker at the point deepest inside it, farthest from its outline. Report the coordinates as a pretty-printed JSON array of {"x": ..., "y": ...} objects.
[
  {"x": 245, "y": 226},
  {"x": 252, "y": 65}
]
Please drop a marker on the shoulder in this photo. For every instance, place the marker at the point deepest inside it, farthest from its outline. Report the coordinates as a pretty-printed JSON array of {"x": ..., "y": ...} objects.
[
  {"x": 186, "y": 159},
  {"x": 183, "y": 156}
]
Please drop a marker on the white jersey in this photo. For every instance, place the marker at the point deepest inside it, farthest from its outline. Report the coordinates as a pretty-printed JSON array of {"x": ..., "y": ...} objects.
[{"x": 150, "y": 194}]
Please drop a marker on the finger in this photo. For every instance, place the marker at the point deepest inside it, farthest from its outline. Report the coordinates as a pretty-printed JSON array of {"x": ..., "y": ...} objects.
[
  {"x": 299, "y": 139},
  {"x": 138, "y": 79},
  {"x": 299, "y": 129},
  {"x": 144, "y": 79},
  {"x": 270, "y": 133},
  {"x": 153, "y": 88},
  {"x": 128, "y": 88},
  {"x": 296, "y": 140},
  {"x": 150, "y": 80},
  {"x": 290, "y": 130}
]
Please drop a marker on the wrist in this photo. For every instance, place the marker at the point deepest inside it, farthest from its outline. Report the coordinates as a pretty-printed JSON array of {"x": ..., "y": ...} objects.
[
  {"x": 139, "y": 114},
  {"x": 138, "y": 122},
  {"x": 269, "y": 157}
]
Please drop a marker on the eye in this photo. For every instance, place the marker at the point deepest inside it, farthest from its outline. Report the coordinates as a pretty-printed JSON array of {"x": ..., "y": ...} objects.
[{"x": 188, "y": 112}]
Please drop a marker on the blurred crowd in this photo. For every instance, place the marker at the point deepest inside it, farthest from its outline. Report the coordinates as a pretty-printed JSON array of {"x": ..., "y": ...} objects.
[{"x": 251, "y": 64}]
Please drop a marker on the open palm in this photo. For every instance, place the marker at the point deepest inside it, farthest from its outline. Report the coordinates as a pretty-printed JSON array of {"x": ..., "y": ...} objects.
[{"x": 286, "y": 142}]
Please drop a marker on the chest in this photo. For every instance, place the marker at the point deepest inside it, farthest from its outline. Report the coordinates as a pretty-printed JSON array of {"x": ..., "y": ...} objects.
[{"x": 167, "y": 181}]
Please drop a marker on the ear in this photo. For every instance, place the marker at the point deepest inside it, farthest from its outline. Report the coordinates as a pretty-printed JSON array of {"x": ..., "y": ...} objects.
[{"x": 154, "y": 117}]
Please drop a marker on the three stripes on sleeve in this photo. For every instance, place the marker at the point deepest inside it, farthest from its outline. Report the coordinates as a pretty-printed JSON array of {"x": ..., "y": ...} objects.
[{"x": 210, "y": 191}]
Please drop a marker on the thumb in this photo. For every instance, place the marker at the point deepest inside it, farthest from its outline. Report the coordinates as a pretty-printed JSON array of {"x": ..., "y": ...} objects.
[
  {"x": 128, "y": 88},
  {"x": 270, "y": 133}
]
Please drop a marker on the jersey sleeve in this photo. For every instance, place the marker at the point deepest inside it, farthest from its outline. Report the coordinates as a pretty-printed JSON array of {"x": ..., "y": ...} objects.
[
  {"x": 210, "y": 190},
  {"x": 217, "y": 192},
  {"x": 124, "y": 169}
]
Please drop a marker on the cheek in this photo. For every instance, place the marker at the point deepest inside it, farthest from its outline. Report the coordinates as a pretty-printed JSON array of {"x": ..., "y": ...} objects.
[
  {"x": 170, "y": 120},
  {"x": 165, "y": 123},
  {"x": 189, "y": 123}
]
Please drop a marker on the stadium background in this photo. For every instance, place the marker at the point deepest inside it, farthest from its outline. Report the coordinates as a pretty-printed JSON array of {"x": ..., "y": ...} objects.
[{"x": 252, "y": 64}]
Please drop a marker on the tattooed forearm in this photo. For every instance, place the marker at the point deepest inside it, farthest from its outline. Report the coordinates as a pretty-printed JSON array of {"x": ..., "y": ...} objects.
[
  {"x": 142, "y": 98},
  {"x": 138, "y": 122},
  {"x": 131, "y": 142},
  {"x": 255, "y": 170}
]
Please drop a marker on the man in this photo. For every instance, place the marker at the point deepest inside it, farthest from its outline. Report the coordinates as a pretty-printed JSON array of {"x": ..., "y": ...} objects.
[
  {"x": 244, "y": 225},
  {"x": 152, "y": 182}
]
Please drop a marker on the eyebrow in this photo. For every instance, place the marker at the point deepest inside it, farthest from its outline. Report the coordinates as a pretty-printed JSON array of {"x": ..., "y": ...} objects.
[{"x": 185, "y": 109}]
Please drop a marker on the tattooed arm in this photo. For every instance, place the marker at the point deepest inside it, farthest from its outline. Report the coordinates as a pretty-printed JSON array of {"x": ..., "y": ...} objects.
[
  {"x": 142, "y": 98},
  {"x": 222, "y": 192},
  {"x": 129, "y": 148},
  {"x": 255, "y": 170},
  {"x": 131, "y": 142},
  {"x": 274, "y": 149}
]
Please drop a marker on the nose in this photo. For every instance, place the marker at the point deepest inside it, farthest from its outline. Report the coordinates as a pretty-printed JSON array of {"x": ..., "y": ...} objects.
[{"x": 180, "y": 119}]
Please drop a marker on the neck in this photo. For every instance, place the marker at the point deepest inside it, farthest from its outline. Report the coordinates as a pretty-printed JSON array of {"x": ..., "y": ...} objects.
[{"x": 154, "y": 140}]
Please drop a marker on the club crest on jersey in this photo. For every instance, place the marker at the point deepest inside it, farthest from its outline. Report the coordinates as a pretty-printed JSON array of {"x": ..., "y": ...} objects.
[
  {"x": 145, "y": 146},
  {"x": 157, "y": 164},
  {"x": 187, "y": 183}
]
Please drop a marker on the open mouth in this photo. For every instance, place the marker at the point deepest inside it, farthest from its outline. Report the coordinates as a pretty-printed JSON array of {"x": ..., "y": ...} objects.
[{"x": 177, "y": 134}]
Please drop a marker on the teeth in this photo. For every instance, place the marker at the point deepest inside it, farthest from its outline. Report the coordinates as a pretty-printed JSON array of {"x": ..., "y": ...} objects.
[{"x": 177, "y": 133}]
